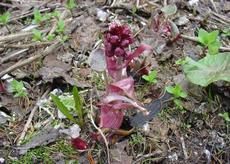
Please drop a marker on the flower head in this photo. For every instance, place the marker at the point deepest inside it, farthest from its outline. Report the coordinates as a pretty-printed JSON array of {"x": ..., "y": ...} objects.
[{"x": 117, "y": 39}]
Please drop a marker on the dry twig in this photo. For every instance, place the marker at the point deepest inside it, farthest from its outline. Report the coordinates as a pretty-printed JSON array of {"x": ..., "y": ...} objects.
[
  {"x": 8, "y": 57},
  {"x": 19, "y": 64}
]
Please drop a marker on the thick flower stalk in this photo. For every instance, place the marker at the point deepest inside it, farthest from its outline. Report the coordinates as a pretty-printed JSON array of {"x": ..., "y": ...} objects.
[{"x": 120, "y": 93}]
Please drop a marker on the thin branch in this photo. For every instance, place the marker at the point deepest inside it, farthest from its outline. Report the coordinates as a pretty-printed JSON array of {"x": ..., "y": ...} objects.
[
  {"x": 16, "y": 36},
  {"x": 10, "y": 56},
  {"x": 184, "y": 148},
  {"x": 35, "y": 44},
  {"x": 19, "y": 64}
]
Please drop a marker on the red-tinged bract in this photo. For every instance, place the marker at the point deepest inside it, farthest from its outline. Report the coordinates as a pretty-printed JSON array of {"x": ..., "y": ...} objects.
[{"x": 79, "y": 144}]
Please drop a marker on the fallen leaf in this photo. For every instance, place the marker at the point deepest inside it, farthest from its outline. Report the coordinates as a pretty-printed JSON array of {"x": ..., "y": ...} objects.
[
  {"x": 97, "y": 60},
  {"x": 118, "y": 154}
]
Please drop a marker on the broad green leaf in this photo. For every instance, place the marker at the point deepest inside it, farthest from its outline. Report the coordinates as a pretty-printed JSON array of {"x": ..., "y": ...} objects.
[
  {"x": 209, "y": 69},
  {"x": 213, "y": 36},
  {"x": 203, "y": 36},
  {"x": 62, "y": 108},
  {"x": 207, "y": 38},
  {"x": 169, "y": 10}
]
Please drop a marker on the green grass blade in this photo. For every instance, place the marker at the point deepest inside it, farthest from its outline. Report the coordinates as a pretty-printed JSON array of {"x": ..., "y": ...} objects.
[{"x": 78, "y": 105}]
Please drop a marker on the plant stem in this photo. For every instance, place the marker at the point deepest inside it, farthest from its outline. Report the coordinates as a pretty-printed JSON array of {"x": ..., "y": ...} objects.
[{"x": 106, "y": 78}]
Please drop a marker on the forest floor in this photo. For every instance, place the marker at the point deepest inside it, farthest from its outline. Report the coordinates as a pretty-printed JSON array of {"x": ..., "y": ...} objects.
[{"x": 54, "y": 58}]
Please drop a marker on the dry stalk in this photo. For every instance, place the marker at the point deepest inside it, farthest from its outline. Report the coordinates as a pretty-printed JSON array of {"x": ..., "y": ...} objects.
[{"x": 98, "y": 129}]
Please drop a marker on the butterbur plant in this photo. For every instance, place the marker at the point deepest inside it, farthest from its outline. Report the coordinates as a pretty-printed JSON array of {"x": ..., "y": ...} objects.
[
  {"x": 177, "y": 93},
  {"x": 120, "y": 91},
  {"x": 151, "y": 77},
  {"x": 210, "y": 40}
]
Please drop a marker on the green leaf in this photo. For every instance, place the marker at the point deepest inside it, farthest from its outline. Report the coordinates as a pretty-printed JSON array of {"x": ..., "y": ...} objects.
[
  {"x": 70, "y": 4},
  {"x": 78, "y": 105},
  {"x": 225, "y": 116},
  {"x": 68, "y": 101},
  {"x": 62, "y": 108},
  {"x": 178, "y": 103},
  {"x": 209, "y": 69},
  {"x": 37, "y": 16},
  {"x": 207, "y": 38},
  {"x": 226, "y": 32},
  {"x": 60, "y": 26},
  {"x": 37, "y": 35},
  {"x": 213, "y": 48},
  {"x": 176, "y": 91},
  {"x": 151, "y": 78},
  {"x": 169, "y": 10},
  {"x": 180, "y": 62},
  {"x": 56, "y": 14},
  {"x": 50, "y": 37},
  {"x": 4, "y": 18},
  {"x": 18, "y": 88}
]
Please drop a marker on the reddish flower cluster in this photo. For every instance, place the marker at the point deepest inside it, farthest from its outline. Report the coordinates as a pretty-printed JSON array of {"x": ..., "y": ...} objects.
[
  {"x": 117, "y": 39},
  {"x": 120, "y": 92}
]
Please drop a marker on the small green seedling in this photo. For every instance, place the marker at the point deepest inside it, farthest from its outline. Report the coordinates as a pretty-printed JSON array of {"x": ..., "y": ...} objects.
[
  {"x": 177, "y": 93},
  {"x": 18, "y": 88},
  {"x": 210, "y": 40},
  {"x": 56, "y": 14},
  {"x": 63, "y": 39},
  {"x": 4, "y": 18},
  {"x": 64, "y": 107},
  {"x": 181, "y": 62},
  {"x": 225, "y": 116},
  {"x": 60, "y": 26},
  {"x": 226, "y": 32},
  {"x": 50, "y": 37},
  {"x": 37, "y": 35},
  {"x": 70, "y": 4},
  {"x": 37, "y": 16},
  {"x": 151, "y": 78},
  {"x": 137, "y": 139}
]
